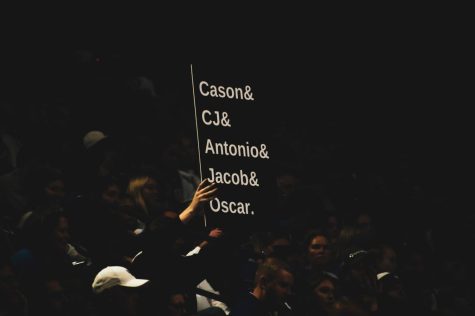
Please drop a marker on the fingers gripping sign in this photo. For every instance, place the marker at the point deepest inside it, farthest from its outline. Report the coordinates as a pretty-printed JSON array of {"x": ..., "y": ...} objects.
[{"x": 205, "y": 192}]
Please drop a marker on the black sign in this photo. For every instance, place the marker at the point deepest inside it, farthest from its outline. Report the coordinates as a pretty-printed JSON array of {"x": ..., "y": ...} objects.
[{"x": 231, "y": 130}]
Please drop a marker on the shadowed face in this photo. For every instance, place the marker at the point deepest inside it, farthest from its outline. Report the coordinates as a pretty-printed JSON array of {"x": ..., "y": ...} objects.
[
  {"x": 279, "y": 289},
  {"x": 364, "y": 223},
  {"x": 388, "y": 261},
  {"x": 111, "y": 194},
  {"x": 150, "y": 191},
  {"x": 287, "y": 183},
  {"x": 177, "y": 305},
  {"x": 318, "y": 251},
  {"x": 333, "y": 227},
  {"x": 325, "y": 294}
]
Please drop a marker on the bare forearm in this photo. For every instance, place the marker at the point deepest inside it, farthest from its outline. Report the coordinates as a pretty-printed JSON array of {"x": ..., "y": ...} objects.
[{"x": 187, "y": 214}]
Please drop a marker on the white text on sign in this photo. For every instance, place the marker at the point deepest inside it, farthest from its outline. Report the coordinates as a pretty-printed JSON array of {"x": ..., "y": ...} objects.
[
  {"x": 240, "y": 178},
  {"x": 246, "y": 150},
  {"x": 214, "y": 91},
  {"x": 221, "y": 118},
  {"x": 242, "y": 208}
]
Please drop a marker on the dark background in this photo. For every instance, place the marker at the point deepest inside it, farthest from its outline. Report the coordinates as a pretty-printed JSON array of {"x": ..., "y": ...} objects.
[{"x": 399, "y": 113}]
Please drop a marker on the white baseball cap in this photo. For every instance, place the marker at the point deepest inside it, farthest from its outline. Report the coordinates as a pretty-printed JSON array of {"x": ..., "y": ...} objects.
[
  {"x": 92, "y": 137},
  {"x": 115, "y": 275},
  {"x": 381, "y": 275}
]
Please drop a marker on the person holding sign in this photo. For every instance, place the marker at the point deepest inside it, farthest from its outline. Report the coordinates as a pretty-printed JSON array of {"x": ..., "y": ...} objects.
[{"x": 159, "y": 259}]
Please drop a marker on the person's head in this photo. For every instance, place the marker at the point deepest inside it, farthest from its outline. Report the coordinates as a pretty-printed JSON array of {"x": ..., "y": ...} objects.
[
  {"x": 61, "y": 232},
  {"x": 287, "y": 182},
  {"x": 281, "y": 246},
  {"x": 332, "y": 227},
  {"x": 102, "y": 154},
  {"x": 348, "y": 241},
  {"x": 177, "y": 305},
  {"x": 111, "y": 194},
  {"x": 107, "y": 191},
  {"x": 387, "y": 261},
  {"x": 144, "y": 191},
  {"x": 391, "y": 286},
  {"x": 365, "y": 224},
  {"x": 92, "y": 138},
  {"x": 273, "y": 282},
  {"x": 116, "y": 291},
  {"x": 113, "y": 276},
  {"x": 359, "y": 265},
  {"x": 44, "y": 185},
  {"x": 317, "y": 247},
  {"x": 276, "y": 244},
  {"x": 54, "y": 297},
  {"x": 323, "y": 291},
  {"x": 53, "y": 233},
  {"x": 363, "y": 220},
  {"x": 358, "y": 278},
  {"x": 180, "y": 153}
]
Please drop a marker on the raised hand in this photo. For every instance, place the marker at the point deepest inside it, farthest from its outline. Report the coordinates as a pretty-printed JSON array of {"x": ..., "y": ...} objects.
[
  {"x": 205, "y": 192},
  {"x": 216, "y": 233}
]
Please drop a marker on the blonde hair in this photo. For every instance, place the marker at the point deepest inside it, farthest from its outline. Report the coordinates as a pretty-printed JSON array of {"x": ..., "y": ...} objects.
[{"x": 134, "y": 189}]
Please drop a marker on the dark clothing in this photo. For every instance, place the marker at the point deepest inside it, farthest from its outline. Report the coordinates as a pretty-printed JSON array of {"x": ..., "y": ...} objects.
[
  {"x": 104, "y": 231},
  {"x": 249, "y": 305},
  {"x": 168, "y": 270}
]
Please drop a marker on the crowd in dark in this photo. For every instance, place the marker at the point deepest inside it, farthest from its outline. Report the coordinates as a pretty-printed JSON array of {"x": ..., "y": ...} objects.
[{"x": 101, "y": 204}]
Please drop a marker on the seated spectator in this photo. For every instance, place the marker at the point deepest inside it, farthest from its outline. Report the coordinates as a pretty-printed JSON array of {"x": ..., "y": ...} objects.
[
  {"x": 44, "y": 187},
  {"x": 322, "y": 294},
  {"x": 99, "y": 220},
  {"x": 206, "y": 305},
  {"x": 177, "y": 305},
  {"x": 50, "y": 257},
  {"x": 349, "y": 240},
  {"x": 147, "y": 198},
  {"x": 318, "y": 251},
  {"x": 332, "y": 227},
  {"x": 393, "y": 299},
  {"x": 159, "y": 260},
  {"x": 273, "y": 285},
  {"x": 387, "y": 261},
  {"x": 367, "y": 228},
  {"x": 50, "y": 247},
  {"x": 358, "y": 280},
  {"x": 116, "y": 292},
  {"x": 100, "y": 158}
]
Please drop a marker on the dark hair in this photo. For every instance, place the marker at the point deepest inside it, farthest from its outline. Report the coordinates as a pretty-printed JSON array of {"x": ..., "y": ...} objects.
[
  {"x": 317, "y": 278},
  {"x": 37, "y": 178},
  {"x": 270, "y": 269},
  {"x": 311, "y": 235},
  {"x": 102, "y": 183}
]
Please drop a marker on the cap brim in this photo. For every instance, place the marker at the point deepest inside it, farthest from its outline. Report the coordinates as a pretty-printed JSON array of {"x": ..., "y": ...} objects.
[
  {"x": 381, "y": 275},
  {"x": 135, "y": 282}
]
